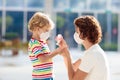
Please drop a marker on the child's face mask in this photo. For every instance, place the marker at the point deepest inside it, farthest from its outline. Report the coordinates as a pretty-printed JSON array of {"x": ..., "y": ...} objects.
[
  {"x": 45, "y": 35},
  {"x": 77, "y": 38}
]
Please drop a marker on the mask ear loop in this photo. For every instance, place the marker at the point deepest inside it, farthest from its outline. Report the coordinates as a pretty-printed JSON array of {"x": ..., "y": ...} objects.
[{"x": 80, "y": 35}]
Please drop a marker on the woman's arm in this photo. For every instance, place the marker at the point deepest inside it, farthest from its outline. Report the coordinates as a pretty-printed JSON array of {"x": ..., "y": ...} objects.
[
  {"x": 68, "y": 63},
  {"x": 72, "y": 74},
  {"x": 76, "y": 64}
]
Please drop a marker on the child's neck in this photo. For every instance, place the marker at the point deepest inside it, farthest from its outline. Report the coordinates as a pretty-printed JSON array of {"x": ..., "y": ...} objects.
[{"x": 35, "y": 37}]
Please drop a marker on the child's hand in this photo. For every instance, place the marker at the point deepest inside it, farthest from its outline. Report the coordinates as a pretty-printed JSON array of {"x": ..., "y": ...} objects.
[{"x": 58, "y": 39}]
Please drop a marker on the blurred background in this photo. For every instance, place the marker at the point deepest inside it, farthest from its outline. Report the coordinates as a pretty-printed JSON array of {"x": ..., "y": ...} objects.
[{"x": 14, "y": 35}]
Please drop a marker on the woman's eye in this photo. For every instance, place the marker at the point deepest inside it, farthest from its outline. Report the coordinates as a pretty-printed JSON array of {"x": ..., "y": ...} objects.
[{"x": 76, "y": 32}]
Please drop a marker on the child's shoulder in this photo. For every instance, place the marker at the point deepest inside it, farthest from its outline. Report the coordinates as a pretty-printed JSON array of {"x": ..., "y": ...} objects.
[{"x": 33, "y": 41}]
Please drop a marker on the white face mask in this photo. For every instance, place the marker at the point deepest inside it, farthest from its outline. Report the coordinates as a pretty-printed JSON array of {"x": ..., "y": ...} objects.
[
  {"x": 77, "y": 38},
  {"x": 45, "y": 36}
]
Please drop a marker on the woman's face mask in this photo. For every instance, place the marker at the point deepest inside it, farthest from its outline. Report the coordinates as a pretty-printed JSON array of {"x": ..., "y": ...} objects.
[{"x": 77, "y": 38}]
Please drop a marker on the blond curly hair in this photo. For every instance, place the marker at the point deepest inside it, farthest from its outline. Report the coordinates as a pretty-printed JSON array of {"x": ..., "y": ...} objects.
[{"x": 40, "y": 20}]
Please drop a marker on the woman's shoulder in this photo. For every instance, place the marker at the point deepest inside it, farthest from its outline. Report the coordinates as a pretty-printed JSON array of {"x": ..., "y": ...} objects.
[{"x": 95, "y": 51}]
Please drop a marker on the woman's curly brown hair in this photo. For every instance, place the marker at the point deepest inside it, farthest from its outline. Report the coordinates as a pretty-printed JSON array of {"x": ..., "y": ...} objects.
[{"x": 90, "y": 28}]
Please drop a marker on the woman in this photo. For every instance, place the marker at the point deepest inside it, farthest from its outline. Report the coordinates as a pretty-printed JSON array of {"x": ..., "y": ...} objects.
[{"x": 93, "y": 65}]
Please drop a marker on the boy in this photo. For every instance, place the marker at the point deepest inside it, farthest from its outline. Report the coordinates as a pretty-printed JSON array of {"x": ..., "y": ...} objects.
[{"x": 40, "y": 25}]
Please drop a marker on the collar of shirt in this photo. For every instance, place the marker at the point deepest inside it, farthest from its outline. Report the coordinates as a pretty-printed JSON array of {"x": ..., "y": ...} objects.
[
  {"x": 41, "y": 41},
  {"x": 91, "y": 48}
]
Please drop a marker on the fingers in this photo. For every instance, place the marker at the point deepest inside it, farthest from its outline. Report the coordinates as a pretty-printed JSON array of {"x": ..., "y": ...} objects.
[
  {"x": 61, "y": 42},
  {"x": 59, "y": 38}
]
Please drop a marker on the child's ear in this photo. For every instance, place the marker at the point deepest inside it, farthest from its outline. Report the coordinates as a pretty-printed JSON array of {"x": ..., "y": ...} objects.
[{"x": 34, "y": 30}]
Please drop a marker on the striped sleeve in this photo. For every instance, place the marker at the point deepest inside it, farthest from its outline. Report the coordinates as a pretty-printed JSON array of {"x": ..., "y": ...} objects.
[{"x": 39, "y": 49}]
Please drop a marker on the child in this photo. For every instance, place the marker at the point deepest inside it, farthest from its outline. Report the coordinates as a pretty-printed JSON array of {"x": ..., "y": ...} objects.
[{"x": 40, "y": 25}]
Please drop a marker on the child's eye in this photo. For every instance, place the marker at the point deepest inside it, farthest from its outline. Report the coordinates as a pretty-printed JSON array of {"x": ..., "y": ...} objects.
[{"x": 47, "y": 30}]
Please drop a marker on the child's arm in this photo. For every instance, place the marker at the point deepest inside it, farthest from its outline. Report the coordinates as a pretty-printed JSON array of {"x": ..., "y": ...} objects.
[
  {"x": 47, "y": 57},
  {"x": 76, "y": 64}
]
